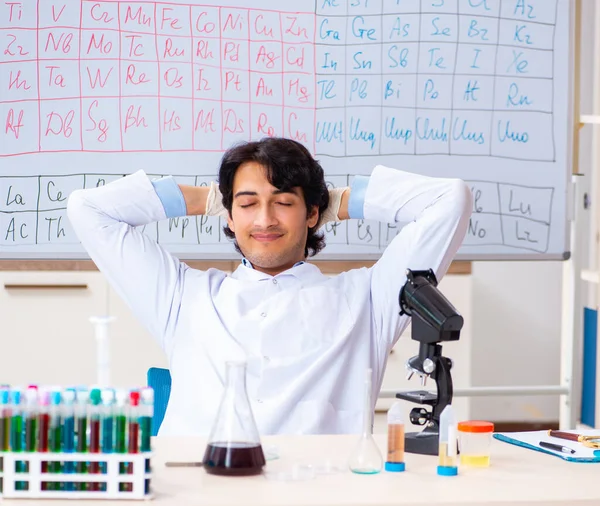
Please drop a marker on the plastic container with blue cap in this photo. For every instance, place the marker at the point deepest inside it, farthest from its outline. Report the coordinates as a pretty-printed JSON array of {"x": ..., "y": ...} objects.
[
  {"x": 395, "y": 453},
  {"x": 448, "y": 443}
]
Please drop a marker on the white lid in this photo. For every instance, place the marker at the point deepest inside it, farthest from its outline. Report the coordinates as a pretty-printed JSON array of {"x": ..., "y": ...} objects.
[
  {"x": 122, "y": 396},
  {"x": 395, "y": 414},
  {"x": 108, "y": 396}
]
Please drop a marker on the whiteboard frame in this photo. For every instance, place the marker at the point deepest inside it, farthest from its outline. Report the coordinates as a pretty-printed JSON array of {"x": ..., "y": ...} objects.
[{"x": 573, "y": 121}]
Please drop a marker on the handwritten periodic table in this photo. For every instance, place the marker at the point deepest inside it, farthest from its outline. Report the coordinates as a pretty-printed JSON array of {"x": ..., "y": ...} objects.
[{"x": 476, "y": 89}]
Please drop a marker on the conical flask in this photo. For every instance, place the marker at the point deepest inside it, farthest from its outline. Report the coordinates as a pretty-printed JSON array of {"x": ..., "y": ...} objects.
[
  {"x": 366, "y": 458},
  {"x": 234, "y": 447}
]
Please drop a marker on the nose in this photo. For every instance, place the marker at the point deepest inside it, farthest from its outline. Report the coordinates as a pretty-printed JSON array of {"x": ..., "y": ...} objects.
[{"x": 265, "y": 217}]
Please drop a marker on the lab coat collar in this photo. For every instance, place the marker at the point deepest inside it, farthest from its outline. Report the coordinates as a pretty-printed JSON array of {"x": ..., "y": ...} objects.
[{"x": 303, "y": 271}]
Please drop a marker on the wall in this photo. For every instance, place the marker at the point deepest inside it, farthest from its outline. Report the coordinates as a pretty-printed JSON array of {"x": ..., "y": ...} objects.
[
  {"x": 517, "y": 306},
  {"x": 516, "y": 337}
]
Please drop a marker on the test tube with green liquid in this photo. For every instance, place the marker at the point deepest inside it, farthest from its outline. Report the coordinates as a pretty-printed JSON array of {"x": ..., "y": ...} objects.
[
  {"x": 146, "y": 414},
  {"x": 108, "y": 429},
  {"x": 31, "y": 413},
  {"x": 121, "y": 428},
  {"x": 55, "y": 443},
  {"x": 16, "y": 433},
  {"x": 31, "y": 424},
  {"x": 5, "y": 415}
]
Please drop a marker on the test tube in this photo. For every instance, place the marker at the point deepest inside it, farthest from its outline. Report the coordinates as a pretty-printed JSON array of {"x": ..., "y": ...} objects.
[
  {"x": 55, "y": 443},
  {"x": 44, "y": 429},
  {"x": 5, "y": 414},
  {"x": 448, "y": 443},
  {"x": 68, "y": 412},
  {"x": 395, "y": 425},
  {"x": 96, "y": 399},
  {"x": 133, "y": 422},
  {"x": 16, "y": 432},
  {"x": 133, "y": 431},
  {"x": 81, "y": 407},
  {"x": 146, "y": 414},
  {"x": 107, "y": 416},
  {"x": 108, "y": 399},
  {"x": 31, "y": 412},
  {"x": 121, "y": 428}
]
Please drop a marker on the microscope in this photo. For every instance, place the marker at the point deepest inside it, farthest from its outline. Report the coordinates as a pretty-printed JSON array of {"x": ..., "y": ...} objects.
[{"x": 434, "y": 320}]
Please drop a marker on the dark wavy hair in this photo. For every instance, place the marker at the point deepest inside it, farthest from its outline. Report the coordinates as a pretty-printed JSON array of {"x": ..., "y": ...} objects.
[{"x": 288, "y": 164}]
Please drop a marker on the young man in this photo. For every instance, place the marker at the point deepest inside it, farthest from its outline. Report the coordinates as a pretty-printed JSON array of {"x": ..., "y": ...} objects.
[{"x": 307, "y": 338}]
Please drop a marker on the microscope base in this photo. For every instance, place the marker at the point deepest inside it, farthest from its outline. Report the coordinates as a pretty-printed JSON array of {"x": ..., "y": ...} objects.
[{"x": 423, "y": 443}]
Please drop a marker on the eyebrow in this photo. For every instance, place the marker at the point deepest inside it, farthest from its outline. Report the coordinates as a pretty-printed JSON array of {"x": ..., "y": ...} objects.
[{"x": 254, "y": 194}]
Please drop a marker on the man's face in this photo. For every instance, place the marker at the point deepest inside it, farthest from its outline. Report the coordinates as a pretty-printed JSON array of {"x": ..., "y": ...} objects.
[{"x": 270, "y": 226}]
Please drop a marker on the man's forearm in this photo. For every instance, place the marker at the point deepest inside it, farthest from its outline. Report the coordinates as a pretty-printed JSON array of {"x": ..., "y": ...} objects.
[
  {"x": 195, "y": 199},
  {"x": 343, "y": 210}
]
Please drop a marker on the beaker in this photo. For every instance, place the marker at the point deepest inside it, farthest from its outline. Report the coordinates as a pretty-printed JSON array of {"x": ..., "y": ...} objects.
[{"x": 234, "y": 447}]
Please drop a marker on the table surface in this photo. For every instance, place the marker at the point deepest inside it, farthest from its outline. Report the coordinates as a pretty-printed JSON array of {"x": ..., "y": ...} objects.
[{"x": 516, "y": 477}]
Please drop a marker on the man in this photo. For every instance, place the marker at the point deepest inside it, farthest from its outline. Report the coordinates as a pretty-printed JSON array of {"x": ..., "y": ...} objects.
[{"x": 307, "y": 338}]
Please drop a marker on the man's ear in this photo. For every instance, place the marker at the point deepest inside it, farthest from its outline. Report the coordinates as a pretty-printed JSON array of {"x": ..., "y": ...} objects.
[
  {"x": 313, "y": 217},
  {"x": 230, "y": 222}
]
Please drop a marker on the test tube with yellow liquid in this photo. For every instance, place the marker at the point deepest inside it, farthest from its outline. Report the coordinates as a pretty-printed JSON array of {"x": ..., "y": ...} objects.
[{"x": 447, "y": 465}]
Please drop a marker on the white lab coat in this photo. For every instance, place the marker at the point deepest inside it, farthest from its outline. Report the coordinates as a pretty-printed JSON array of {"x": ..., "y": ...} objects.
[{"x": 308, "y": 338}]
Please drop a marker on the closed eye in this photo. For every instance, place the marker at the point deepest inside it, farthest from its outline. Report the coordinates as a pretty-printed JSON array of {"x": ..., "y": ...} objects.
[
  {"x": 284, "y": 203},
  {"x": 243, "y": 206}
]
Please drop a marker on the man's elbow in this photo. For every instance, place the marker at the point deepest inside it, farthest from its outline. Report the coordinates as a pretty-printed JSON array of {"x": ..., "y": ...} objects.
[
  {"x": 461, "y": 198},
  {"x": 76, "y": 208}
]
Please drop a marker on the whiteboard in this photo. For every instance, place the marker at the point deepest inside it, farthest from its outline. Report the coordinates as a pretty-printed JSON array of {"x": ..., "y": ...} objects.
[{"x": 475, "y": 89}]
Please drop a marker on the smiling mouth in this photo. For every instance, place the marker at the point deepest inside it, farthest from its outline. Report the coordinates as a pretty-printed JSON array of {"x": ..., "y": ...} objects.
[{"x": 266, "y": 237}]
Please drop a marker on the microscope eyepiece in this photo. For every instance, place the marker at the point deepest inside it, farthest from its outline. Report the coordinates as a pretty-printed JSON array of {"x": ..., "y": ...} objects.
[{"x": 420, "y": 297}]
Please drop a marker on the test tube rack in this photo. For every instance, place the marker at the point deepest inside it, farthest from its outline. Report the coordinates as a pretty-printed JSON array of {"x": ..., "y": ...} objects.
[{"x": 114, "y": 484}]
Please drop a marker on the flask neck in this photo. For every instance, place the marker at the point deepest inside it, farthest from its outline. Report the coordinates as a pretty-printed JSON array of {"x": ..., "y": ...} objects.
[
  {"x": 235, "y": 376},
  {"x": 367, "y": 410}
]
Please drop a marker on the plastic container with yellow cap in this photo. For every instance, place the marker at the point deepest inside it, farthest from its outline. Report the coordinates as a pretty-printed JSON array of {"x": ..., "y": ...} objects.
[{"x": 475, "y": 442}]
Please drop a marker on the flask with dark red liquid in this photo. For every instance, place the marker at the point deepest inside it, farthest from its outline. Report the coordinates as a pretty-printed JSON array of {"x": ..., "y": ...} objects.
[{"x": 234, "y": 447}]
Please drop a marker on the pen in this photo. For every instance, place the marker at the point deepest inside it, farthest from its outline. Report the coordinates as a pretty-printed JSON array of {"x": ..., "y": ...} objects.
[
  {"x": 183, "y": 464},
  {"x": 556, "y": 448}
]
